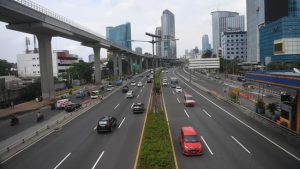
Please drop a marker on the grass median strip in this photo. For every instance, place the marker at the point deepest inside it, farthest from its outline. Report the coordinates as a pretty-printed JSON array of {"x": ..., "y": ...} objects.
[{"x": 156, "y": 151}]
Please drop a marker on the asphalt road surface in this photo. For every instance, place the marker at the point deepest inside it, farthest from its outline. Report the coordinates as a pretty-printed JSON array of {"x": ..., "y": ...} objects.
[
  {"x": 78, "y": 145},
  {"x": 230, "y": 138}
]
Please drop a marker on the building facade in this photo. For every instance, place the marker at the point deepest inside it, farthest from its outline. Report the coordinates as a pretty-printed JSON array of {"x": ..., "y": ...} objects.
[
  {"x": 294, "y": 8},
  {"x": 158, "y": 44},
  {"x": 225, "y": 21},
  {"x": 205, "y": 43},
  {"x": 168, "y": 44},
  {"x": 29, "y": 63},
  {"x": 234, "y": 45},
  {"x": 139, "y": 50},
  {"x": 120, "y": 34},
  {"x": 280, "y": 41}
]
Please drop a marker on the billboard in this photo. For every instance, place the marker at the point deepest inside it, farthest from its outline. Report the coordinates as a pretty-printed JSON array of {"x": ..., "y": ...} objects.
[{"x": 204, "y": 63}]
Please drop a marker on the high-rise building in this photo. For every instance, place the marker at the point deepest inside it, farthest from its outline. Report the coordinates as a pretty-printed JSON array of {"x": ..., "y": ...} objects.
[
  {"x": 120, "y": 34},
  {"x": 139, "y": 50},
  {"x": 168, "y": 46},
  {"x": 225, "y": 21},
  {"x": 234, "y": 45},
  {"x": 294, "y": 7},
  {"x": 205, "y": 43},
  {"x": 260, "y": 12},
  {"x": 158, "y": 44}
]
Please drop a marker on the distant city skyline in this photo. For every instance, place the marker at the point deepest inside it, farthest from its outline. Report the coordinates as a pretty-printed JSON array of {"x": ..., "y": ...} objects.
[{"x": 143, "y": 15}]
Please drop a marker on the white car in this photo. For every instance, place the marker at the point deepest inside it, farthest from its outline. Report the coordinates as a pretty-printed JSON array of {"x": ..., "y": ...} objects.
[
  {"x": 165, "y": 83},
  {"x": 178, "y": 89},
  {"x": 133, "y": 83},
  {"x": 109, "y": 87},
  {"x": 140, "y": 84},
  {"x": 129, "y": 94}
]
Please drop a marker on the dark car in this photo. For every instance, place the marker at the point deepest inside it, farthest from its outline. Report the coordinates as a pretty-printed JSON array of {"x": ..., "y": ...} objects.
[
  {"x": 72, "y": 107},
  {"x": 149, "y": 80},
  {"x": 106, "y": 123},
  {"x": 125, "y": 89},
  {"x": 138, "y": 108}
]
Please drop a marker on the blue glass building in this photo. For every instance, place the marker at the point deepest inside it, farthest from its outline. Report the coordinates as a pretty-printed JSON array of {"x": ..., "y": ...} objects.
[
  {"x": 294, "y": 8},
  {"x": 120, "y": 34}
]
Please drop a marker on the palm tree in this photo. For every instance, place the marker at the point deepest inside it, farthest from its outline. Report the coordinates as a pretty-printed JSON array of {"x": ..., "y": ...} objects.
[{"x": 272, "y": 107}]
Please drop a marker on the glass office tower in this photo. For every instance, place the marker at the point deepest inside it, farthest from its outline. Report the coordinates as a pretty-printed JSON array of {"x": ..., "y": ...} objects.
[{"x": 120, "y": 34}]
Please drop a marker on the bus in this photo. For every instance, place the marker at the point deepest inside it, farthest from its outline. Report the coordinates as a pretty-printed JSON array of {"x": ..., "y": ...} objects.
[
  {"x": 174, "y": 82},
  {"x": 95, "y": 94}
]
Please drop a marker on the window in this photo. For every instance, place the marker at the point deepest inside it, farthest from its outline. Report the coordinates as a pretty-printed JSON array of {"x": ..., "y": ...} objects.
[
  {"x": 242, "y": 39},
  {"x": 236, "y": 52},
  {"x": 231, "y": 40},
  {"x": 232, "y": 52},
  {"x": 33, "y": 58},
  {"x": 242, "y": 35},
  {"x": 33, "y": 65},
  {"x": 237, "y": 48},
  {"x": 242, "y": 48},
  {"x": 236, "y": 35},
  {"x": 228, "y": 48},
  {"x": 232, "y": 48},
  {"x": 228, "y": 52},
  {"x": 237, "y": 40},
  {"x": 33, "y": 71},
  {"x": 232, "y": 44},
  {"x": 242, "y": 52},
  {"x": 231, "y": 35},
  {"x": 227, "y": 44},
  {"x": 227, "y": 40}
]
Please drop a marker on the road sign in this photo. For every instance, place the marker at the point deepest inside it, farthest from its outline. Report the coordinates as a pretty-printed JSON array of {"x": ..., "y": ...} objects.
[{"x": 204, "y": 63}]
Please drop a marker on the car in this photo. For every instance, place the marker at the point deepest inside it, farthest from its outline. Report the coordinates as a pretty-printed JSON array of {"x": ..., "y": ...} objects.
[
  {"x": 190, "y": 143},
  {"x": 162, "y": 71},
  {"x": 217, "y": 77},
  {"x": 72, "y": 107},
  {"x": 62, "y": 103},
  {"x": 80, "y": 94},
  {"x": 109, "y": 87},
  {"x": 165, "y": 83},
  {"x": 125, "y": 89},
  {"x": 138, "y": 108},
  {"x": 188, "y": 100},
  {"x": 167, "y": 71},
  {"x": 149, "y": 80},
  {"x": 140, "y": 84},
  {"x": 119, "y": 82},
  {"x": 133, "y": 83},
  {"x": 178, "y": 89},
  {"x": 148, "y": 75},
  {"x": 130, "y": 94},
  {"x": 106, "y": 123}
]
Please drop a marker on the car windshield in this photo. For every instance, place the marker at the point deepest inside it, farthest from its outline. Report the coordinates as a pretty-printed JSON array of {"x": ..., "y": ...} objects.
[
  {"x": 178, "y": 87},
  {"x": 191, "y": 139},
  {"x": 189, "y": 98},
  {"x": 102, "y": 122}
]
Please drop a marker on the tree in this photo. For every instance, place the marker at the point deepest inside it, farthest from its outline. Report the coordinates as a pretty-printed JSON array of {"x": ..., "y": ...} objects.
[
  {"x": 82, "y": 71},
  {"x": 207, "y": 54},
  {"x": 4, "y": 67},
  {"x": 278, "y": 66},
  {"x": 272, "y": 107}
]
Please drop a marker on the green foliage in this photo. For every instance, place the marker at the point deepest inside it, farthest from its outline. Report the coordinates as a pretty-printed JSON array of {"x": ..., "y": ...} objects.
[
  {"x": 260, "y": 106},
  {"x": 282, "y": 65},
  {"x": 156, "y": 149},
  {"x": 233, "y": 97},
  {"x": 4, "y": 67},
  {"x": 31, "y": 91},
  {"x": 82, "y": 71},
  {"x": 207, "y": 54},
  {"x": 157, "y": 82},
  {"x": 229, "y": 66},
  {"x": 272, "y": 107}
]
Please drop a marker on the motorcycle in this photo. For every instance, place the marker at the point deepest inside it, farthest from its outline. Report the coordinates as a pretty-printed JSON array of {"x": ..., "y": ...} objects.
[
  {"x": 14, "y": 121},
  {"x": 40, "y": 118}
]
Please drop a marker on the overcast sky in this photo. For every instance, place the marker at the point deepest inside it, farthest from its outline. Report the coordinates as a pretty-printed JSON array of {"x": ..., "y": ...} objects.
[{"x": 192, "y": 20}]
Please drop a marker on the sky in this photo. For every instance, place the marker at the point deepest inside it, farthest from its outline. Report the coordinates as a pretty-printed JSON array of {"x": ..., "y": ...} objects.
[{"x": 192, "y": 21}]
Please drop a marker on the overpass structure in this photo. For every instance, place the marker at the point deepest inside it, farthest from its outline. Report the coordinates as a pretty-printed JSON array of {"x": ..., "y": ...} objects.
[{"x": 29, "y": 17}]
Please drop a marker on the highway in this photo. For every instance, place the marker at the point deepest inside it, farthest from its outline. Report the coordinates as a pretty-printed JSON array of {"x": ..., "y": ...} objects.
[
  {"x": 230, "y": 138},
  {"x": 78, "y": 145}
]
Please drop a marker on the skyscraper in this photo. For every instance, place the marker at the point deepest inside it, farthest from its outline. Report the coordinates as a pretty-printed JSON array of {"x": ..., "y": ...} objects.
[
  {"x": 120, "y": 34},
  {"x": 168, "y": 46},
  {"x": 205, "y": 43},
  {"x": 294, "y": 8},
  {"x": 158, "y": 44},
  {"x": 225, "y": 21},
  {"x": 139, "y": 50}
]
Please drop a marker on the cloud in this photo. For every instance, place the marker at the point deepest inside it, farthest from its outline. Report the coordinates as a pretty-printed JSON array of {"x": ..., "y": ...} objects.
[{"x": 192, "y": 20}]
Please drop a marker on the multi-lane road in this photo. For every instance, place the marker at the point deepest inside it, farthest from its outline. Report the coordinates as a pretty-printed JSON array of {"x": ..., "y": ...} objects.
[
  {"x": 78, "y": 145},
  {"x": 230, "y": 139}
]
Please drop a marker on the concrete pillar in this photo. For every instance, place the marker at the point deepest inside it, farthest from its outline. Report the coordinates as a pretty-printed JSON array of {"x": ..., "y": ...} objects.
[
  {"x": 120, "y": 65},
  {"x": 97, "y": 65},
  {"x": 146, "y": 64},
  {"x": 46, "y": 66},
  {"x": 115, "y": 64},
  {"x": 131, "y": 64}
]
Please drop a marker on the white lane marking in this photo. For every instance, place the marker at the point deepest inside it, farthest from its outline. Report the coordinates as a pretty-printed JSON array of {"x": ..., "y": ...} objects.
[
  {"x": 241, "y": 145},
  {"x": 116, "y": 106},
  {"x": 98, "y": 160},
  {"x": 294, "y": 156},
  {"x": 134, "y": 87},
  {"x": 141, "y": 91},
  {"x": 137, "y": 96},
  {"x": 178, "y": 100},
  {"x": 132, "y": 105},
  {"x": 62, "y": 161},
  {"x": 173, "y": 92},
  {"x": 121, "y": 122},
  {"x": 206, "y": 112},
  {"x": 207, "y": 146},
  {"x": 186, "y": 113},
  {"x": 95, "y": 127}
]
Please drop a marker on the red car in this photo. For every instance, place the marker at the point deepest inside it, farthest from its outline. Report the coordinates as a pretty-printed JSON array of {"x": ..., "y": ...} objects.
[
  {"x": 188, "y": 100},
  {"x": 190, "y": 142}
]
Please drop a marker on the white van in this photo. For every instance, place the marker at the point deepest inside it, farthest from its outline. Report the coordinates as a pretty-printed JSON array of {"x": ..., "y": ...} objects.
[{"x": 62, "y": 103}]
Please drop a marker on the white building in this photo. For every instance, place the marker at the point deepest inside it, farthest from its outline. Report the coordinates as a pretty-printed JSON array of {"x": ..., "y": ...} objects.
[
  {"x": 234, "y": 45},
  {"x": 29, "y": 63}
]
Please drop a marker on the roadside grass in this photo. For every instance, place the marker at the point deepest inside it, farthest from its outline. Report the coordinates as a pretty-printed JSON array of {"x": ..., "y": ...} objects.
[{"x": 156, "y": 150}]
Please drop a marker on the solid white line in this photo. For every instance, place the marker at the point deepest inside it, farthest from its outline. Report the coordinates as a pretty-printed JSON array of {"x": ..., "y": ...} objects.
[
  {"x": 186, "y": 113},
  {"x": 141, "y": 91},
  {"x": 116, "y": 106},
  {"x": 294, "y": 156},
  {"x": 241, "y": 144},
  {"x": 95, "y": 127},
  {"x": 62, "y": 161},
  {"x": 178, "y": 100},
  {"x": 132, "y": 105},
  {"x": 121, "y": 122},
  {"x": 98, "y": 160},
  {"x": 206, "y": 112},
  {"x": 207, "y": 146},
  {"x": 173, "y": 91},
  {"x": 137, "y": 96}
]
